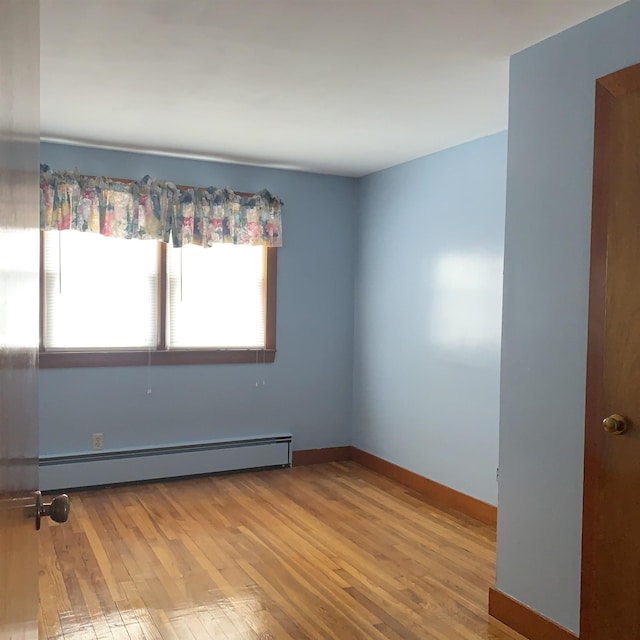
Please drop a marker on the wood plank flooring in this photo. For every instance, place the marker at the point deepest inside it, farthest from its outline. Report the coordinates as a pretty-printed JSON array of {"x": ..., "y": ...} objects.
[{"x": 325, "y": 552}]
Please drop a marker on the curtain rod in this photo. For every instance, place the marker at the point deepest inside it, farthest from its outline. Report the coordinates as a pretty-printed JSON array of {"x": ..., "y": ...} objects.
[{"x": 182, "y": 187}]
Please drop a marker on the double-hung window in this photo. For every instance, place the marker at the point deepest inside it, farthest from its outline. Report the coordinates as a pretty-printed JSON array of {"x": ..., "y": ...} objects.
[
  {"x": 150, "y": 272},
  {"x": 110, "y": 301}
]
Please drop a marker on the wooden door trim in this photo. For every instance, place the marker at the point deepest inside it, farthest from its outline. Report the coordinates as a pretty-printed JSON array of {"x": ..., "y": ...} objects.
[
  {"x": 525, "y": 621},
  {"x": 608, "y": 89}
]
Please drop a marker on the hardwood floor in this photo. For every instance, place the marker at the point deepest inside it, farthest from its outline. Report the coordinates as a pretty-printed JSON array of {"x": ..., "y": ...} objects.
[{"x": 330, "y": 551}]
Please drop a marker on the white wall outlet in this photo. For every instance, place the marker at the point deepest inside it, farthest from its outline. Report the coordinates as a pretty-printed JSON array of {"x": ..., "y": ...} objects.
[{"x": 97, "y": 441}]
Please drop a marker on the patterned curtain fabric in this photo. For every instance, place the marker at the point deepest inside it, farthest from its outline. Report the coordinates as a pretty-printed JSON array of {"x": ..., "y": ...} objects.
[{"x": 154, "y": 209}]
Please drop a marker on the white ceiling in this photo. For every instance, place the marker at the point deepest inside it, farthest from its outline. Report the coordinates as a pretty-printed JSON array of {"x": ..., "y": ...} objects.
[{"x": 334, "y": 86}]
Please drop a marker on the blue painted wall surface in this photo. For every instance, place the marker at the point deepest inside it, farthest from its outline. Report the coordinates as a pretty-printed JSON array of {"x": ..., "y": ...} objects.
[
  {"x": 428, "y": 314},
  {"x": 307, "y": 391},
  {"x": 545, "y": 307}
]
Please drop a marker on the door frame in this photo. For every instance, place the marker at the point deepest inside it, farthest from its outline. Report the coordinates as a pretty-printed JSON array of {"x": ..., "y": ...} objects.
[{"x": 608, "y": 89}]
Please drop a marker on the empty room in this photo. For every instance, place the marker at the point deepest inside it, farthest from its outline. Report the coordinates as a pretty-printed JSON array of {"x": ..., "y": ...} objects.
[{"x": 316, "y": 319}]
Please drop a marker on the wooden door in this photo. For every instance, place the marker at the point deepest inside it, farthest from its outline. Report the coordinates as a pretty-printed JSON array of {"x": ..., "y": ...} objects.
[
  {"x": 610, "y": 602},
  {"x": 19, "y": 196}
]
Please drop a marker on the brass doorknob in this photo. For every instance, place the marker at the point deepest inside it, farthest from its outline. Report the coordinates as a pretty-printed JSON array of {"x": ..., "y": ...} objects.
[
  {"x": 57, "y": 509},
  {"x": 615, "y": 424}
]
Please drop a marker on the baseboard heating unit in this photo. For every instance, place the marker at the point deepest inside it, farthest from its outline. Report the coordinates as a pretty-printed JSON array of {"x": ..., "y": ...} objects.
[{"x": 132, "y": 465}]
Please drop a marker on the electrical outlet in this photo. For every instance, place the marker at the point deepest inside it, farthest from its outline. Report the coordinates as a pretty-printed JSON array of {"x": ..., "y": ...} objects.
[{"x": 98, "y": 441}]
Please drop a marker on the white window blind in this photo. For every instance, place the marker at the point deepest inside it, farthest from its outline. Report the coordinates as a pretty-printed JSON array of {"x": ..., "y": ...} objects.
[
  {"x": 216, "y": 296},
  {"x": 100, "y": 293}
]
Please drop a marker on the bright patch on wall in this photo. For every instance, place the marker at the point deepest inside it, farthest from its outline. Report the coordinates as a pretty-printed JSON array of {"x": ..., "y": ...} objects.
[
  {"x": 19, "y": 279},
  {"x": 467, "y": 306}
]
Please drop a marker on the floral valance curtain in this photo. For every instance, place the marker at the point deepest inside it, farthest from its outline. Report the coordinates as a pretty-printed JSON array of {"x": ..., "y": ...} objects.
[{"x": 159, "y": 210}]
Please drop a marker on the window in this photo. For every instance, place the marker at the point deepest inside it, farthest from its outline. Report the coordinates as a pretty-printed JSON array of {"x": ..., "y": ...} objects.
[
  {"x": 226, "y": 311},
  {"x": 109, "y": 301},
  {"x": 90, "y": 281}
]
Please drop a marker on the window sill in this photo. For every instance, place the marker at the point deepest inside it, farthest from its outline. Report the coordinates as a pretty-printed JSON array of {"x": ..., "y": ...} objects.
[{"x": 73, "y": 359}]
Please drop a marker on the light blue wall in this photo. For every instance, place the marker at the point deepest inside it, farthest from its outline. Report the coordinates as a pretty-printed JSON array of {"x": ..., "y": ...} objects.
[
  {"x": 307, "y": 391},
  {"x": 428, "y": 313},
  {"x": 545, "y": 307}
]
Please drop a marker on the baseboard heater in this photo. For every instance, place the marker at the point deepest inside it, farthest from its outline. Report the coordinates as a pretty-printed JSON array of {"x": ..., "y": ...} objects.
[{"x": 133, "y": 465}]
